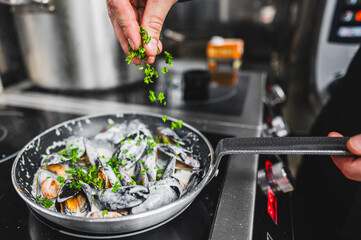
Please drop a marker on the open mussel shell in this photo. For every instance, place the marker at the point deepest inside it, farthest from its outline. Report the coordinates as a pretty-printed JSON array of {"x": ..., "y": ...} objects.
[
  {"x": 55, "y": 163},
  {"x": 181, "y": 154},
  {"x": 123, "y": 197},
  {"x": 113, "y": 134},
  {"x": 75, "y": 144},
  {"x": 72, "y": 200},
  {"x": 131, "y": 150},
  {"x": 168, "y": 135},
  {"x": 106, "y": 173},
  {"x": 150, "y": 164},
  {"x": 47, "y": 184}
]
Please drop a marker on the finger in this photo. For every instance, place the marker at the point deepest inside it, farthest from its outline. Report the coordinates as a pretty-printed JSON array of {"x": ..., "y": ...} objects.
[
  {"x": 136, "y": 61},
  {"x": 335, "y": 134},
  {"x": 349, "y": 166},
  {"x": 120, "y": 36},
  {"x": 152, "y": 21},
  {"x": 151, "y": 59},
  {"x": 125, "y": 15},
  {"x": 354, "y": 144}
]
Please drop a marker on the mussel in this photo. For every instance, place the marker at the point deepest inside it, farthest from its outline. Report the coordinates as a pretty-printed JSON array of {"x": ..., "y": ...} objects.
[
  {"x": 162, "y": 193},
  {"x": 121, "y": 198},
  {"x": 181, "y": 154},
  {"x": 55, "y": 163},
  {"x": 113, "y": 134},
  {"x": 47, "y": 184},
  {"x": 74, "y": 198},
  {"x": 131, "y": 150},
  {"x": 168, "y": 136}
]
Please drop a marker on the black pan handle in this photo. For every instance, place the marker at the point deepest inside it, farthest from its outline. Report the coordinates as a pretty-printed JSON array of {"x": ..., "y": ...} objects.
[{"x": 281, "y": 146}]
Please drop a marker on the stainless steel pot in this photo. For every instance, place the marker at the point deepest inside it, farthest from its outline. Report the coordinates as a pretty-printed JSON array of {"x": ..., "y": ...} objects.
[
  {"x": 28, "y": 161},
  {"x": 69, "y": 44}
]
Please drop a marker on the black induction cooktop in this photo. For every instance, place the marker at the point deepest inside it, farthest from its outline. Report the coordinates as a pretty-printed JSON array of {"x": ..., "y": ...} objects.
[{"x": 18, "y": 222}]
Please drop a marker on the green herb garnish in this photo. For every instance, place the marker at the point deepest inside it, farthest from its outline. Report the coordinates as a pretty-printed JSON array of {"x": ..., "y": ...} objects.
[
  {"x": 159, "y": 174},
  {"x": 47, "y": 203},
  {"x": 76, "y": 185},
  {"x": 61, "y": 180},
  {"x": 123, "y": 162},
  {"x": 116, "y": 186},
  {"x": 164, "y": 118},
  {"x": 105, "y": 212},
  {"x": 177, "y": 124}
]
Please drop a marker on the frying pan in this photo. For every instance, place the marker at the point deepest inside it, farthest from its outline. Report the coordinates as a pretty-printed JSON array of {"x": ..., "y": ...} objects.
[{"x": 28, "y": 161}]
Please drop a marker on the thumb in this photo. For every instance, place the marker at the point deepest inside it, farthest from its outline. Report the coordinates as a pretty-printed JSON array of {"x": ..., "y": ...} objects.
[
  {"x": 153, "y": 18},
  {"x": 354, "y": 144}
]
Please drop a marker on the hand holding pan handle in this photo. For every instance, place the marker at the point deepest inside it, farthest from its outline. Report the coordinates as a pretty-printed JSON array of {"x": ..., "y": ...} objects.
[{"x": 281, "y": 146}]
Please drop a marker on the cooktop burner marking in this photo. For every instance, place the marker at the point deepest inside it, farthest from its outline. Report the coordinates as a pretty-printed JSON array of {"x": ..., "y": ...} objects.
[
  {"x": 16, "y": 129},
  {"x": 3, "y": 132}
]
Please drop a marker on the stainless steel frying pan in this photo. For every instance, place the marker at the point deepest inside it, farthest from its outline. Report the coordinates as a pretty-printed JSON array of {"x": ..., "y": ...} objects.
[{"x": 28, "y": 161}]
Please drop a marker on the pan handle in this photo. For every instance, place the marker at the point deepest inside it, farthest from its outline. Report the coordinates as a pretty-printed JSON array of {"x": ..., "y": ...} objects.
[{"x": 281, "y": 146}]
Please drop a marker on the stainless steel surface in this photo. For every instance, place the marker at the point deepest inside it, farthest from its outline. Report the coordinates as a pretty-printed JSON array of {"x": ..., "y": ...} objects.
[
  {"x": 14, "y": 2},
  {"x": 235, "y": 211},
  {"x": 11, "y": 64},
  {"x": 73, "y": 47},
  {"x": 234, "y": 219}
]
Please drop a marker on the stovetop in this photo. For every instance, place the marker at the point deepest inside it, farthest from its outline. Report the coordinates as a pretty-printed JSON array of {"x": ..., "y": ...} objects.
[{"x": 224, "y": 209}]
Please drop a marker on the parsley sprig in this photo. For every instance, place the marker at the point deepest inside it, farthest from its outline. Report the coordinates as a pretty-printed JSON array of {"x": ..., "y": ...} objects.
[
  {"x": 177, "y": 124},
  {"x": 154, "y": 98},
  {"x": 47, "y": 203}
]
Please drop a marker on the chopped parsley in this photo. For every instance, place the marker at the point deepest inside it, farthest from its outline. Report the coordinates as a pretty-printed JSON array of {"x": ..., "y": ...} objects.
[
  {"x": 61, "y": 180},
  {"x": 159, "y": 174},
  {"x": 116, "y": 186},
  {"x": 160, "y": 98},
  {"x": 72, "y": 154},
  {"x": 105, "y": 212},
  {"x": 177, "y": 124},
  {"x": 168, "y": 58},
  {"x": 164, "y": 118},
  {"x": 47, "y": 203},
  {"x": 76, "y": 185},
  {"x": 90, "y": 178}
]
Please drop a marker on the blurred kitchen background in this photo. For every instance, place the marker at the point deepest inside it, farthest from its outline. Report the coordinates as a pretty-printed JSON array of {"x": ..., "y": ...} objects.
[{"x": 58, "y": 44}]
